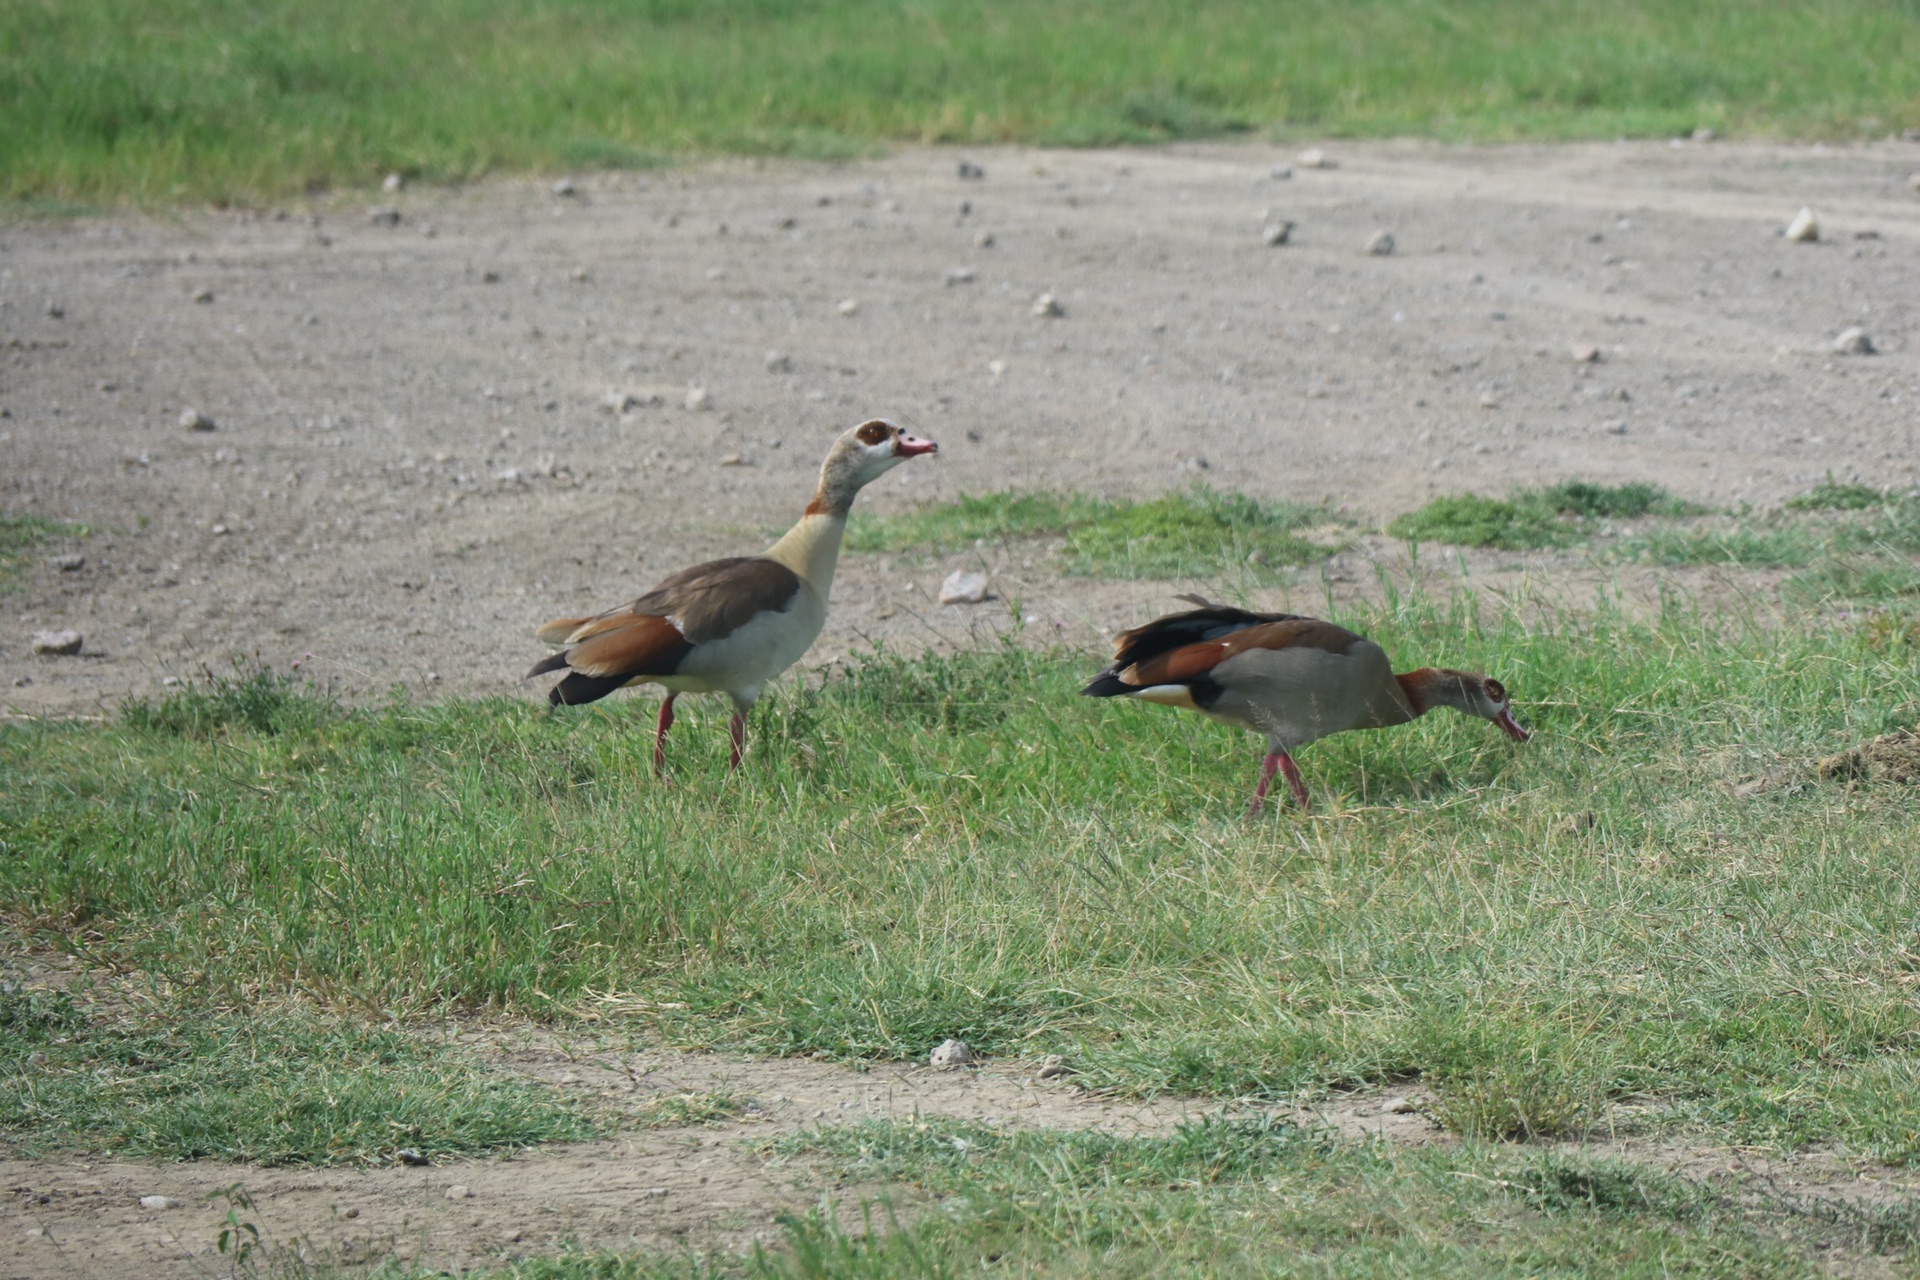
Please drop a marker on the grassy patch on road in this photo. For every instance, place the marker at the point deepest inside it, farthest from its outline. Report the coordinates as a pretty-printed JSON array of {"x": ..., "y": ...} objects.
[
  {"x": 1198, "y": 532},
  {"x": 178, "y": 100},
  {"x": 21, "y": 536},
  {"x": 1530, "y": 519},
  {"x": 960, "y": 846},
  {"x": 177, "y": 1081}
]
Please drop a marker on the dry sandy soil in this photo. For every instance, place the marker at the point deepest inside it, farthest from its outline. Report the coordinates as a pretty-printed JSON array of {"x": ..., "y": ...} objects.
[{"x": 413, "y": 464}]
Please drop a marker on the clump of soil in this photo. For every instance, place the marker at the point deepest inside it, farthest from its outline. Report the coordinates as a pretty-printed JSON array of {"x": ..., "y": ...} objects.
[{"x": 1891, "y": 757}]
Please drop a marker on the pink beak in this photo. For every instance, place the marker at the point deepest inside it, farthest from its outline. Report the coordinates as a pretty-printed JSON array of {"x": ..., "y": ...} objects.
[
  {"x": 1506, "y": 721},
  {"x": 906, "y": 446}
]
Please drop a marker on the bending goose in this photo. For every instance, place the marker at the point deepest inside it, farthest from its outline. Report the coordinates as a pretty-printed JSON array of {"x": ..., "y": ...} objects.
[
  {"x": 1294, "y": 679},
  {"x": 728, "y": 626}
]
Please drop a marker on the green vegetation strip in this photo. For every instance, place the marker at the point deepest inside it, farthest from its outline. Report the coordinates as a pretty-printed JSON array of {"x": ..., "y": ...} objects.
[
  {"x": 183, "y": 99},
  {"x": 1251, "y": 1197},
  {"x": 21, "y": 536},
  {"x": 186, "y": 1082},
  {"x": 1197, "y": 532},
  {"x": 961, "y": 846},
  {"x": 1533, "y": 518}
]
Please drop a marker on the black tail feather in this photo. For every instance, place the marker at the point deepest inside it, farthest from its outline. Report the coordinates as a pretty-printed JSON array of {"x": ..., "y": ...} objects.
[
  {"x": 1107, "y": 684},
  {"x": 552, "y": 662},
  {"x": 578, "y": 688}
]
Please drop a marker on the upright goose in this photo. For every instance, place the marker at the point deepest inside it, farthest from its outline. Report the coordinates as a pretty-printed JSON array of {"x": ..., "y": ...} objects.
[
  {"x": 728, "y": 626},
  {"x": 1294, "y": 679}
]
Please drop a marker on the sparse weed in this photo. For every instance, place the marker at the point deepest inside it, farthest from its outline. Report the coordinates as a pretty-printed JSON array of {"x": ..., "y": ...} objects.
[{"x": 1533, "y": 518}]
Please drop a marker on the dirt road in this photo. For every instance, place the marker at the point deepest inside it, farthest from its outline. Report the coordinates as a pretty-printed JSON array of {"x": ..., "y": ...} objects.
[{"x": 415, "y": 463}]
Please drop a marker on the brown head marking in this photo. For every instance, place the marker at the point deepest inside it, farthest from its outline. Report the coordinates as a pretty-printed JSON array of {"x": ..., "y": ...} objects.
[{"x": 873, "y": 432}]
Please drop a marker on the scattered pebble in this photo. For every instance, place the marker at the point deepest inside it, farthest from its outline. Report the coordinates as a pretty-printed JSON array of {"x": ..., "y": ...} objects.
[
  {"x": 732, "y": 460},
  {"x": 696, "y": 398},
  {"x": 1400, "y": 1106},
  {"x": 1046, "y": 305},
  {"x": 960, "y": 275},
  {"x": 489, "y": 276},
  {"x": 409, "y": 1156},
  {"x": 57, "y": 312},
  {"x": 1489, "y": 401},
  {"x": 392, "y": 183},
  {"x": 578, "y": 275},
  {"x": 1584, "y": 353},
  {"x": 619, "y": 401},
  {"x": 384, "y": 215},
  {"x": 971, "y": 171},
  {"x": 963, "y": 587},
  {"x": 70, "y": 563},
  {"x": 159, "y": 1202},
  {"x": 459, "y": 1191},
  {"x": 565, "y": 187},
  {"x": 1281, "y": 172},
  {"x": 984, "y": 240},
  {"x": 1614, "y": 426},
  {"x": 783, "y": 222},
  {"x": 352, "y": 1211},
  {"x": 949, "y": 1054},
  {"x": 194, "y": 420},
  {"x": 58, "y": 643},
  {"x": 1053, "y": 1067},
  {"x": 965, "y": 207},
  {"x": 1705, "y": 133},
  {"x": 654, "y": 1193},
  {"x": 1853, "y": 342},
  {"x": 1380, "y": 244},
  {"x": 779, "y": 362},
  {"x": 1804, "y": 227},
  {"x": 1277, "y": 233},
  {"x": 1314, "y": 158},
  {"x": 996, "y": 367},
  {"x": 203, "y": 296},
  {"x": 848, "y": 307}
]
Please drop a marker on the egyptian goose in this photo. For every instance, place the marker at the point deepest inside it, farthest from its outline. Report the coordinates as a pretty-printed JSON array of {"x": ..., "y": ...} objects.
[
  {"x": 1294, "y": 679},
  {"x": 728, "y": 626}
]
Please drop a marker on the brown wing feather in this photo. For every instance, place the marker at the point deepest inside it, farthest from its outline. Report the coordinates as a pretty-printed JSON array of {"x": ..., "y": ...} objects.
[
  {"x": 715, "y": 599},
  {"x": 637, "y": 644},
  {"x": 1177, "y": 666},
  {"x": 557, "y": 631}
]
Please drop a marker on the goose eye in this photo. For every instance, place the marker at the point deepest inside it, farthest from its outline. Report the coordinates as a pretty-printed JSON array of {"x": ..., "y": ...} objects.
[{"x": 1496, "y": 691}]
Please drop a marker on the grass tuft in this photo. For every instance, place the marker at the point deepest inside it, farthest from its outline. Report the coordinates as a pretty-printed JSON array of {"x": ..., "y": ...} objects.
[
  {"x": 1534, "y": 518},
  {"x": 21, "y": 536},
  {"x": 1193, "y": 533}
]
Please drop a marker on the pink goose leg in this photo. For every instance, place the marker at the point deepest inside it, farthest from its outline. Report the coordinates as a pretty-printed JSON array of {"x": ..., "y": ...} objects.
[
  {"x": 660, "y": 735},
  {"x": 1282, "y": 761}
]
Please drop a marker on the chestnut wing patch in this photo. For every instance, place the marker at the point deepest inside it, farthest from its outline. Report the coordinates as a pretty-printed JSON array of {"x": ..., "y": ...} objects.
[
  {"x": 1177, "y": 630},
  {"x": 713, "y": 600},
  {"x": 1189, "y": 662}
]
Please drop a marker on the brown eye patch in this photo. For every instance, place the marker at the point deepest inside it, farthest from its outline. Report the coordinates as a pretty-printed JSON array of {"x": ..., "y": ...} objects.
[
  {"x": 1496, "y": 691},
  {"x": 874, "y": 432}
]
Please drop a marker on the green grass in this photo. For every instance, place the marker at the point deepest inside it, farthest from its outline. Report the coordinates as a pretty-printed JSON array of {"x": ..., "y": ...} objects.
[
  {"x": 1197, "y": 532},
  {"x": 218, "y": 100},
  {"x": 1249, "y": 1197},
  {"x": 960, "y": 846},
  {"x": 191, "y": 1082},
  {"x": 21, "y": 536},
  {"x": 1530, "y": 519}
]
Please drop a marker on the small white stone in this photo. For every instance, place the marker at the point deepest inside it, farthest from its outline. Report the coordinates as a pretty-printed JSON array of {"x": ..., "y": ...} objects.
[
  {"x": 459, "y": 1191},
  {"x": 1804, "y": 227},
  {"x": 849, "y": 307},
  {"x": 578, "y": 275},
  {"x": 70, "y": 563},
  {"x": 1380, "y": 243},
  {"x": 159, "y": 1202},
  {"x": 1614, "y": 426},
  {"x": 654, "y": 1193},
  {"x": 203, "y": 296},
  {"x": 963, "y": 587},
  {"x": 384, "y": 215},
  {"x": 194, "y": 420},
  {"x": 984, "y": 240},
  {"x": 1048, "y": 306},
  {"x": 1489, "y": 401},
  {"x": 732, "y": 460},
  {"x": 779, "y": 362},
  {"x": 960, "y": 275},
  {"x": 57, "y": 642},
  {"x": 696, "y": 398},
  {"x": 1584, "y": 352},
  {"x": 1314, "y": 158},
  {"x": 1399, "y": 1106},
  {"x": 564, "y": 187},
  {"x": 1281, "y": 172},
  {"x": 949, "y": 1054},
  {"x": 996, "y": 367},
  {"x": 1854, "y": 341},
  {"x": 1277, "y": 233},
  {"x": 392, "y": 183}
]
